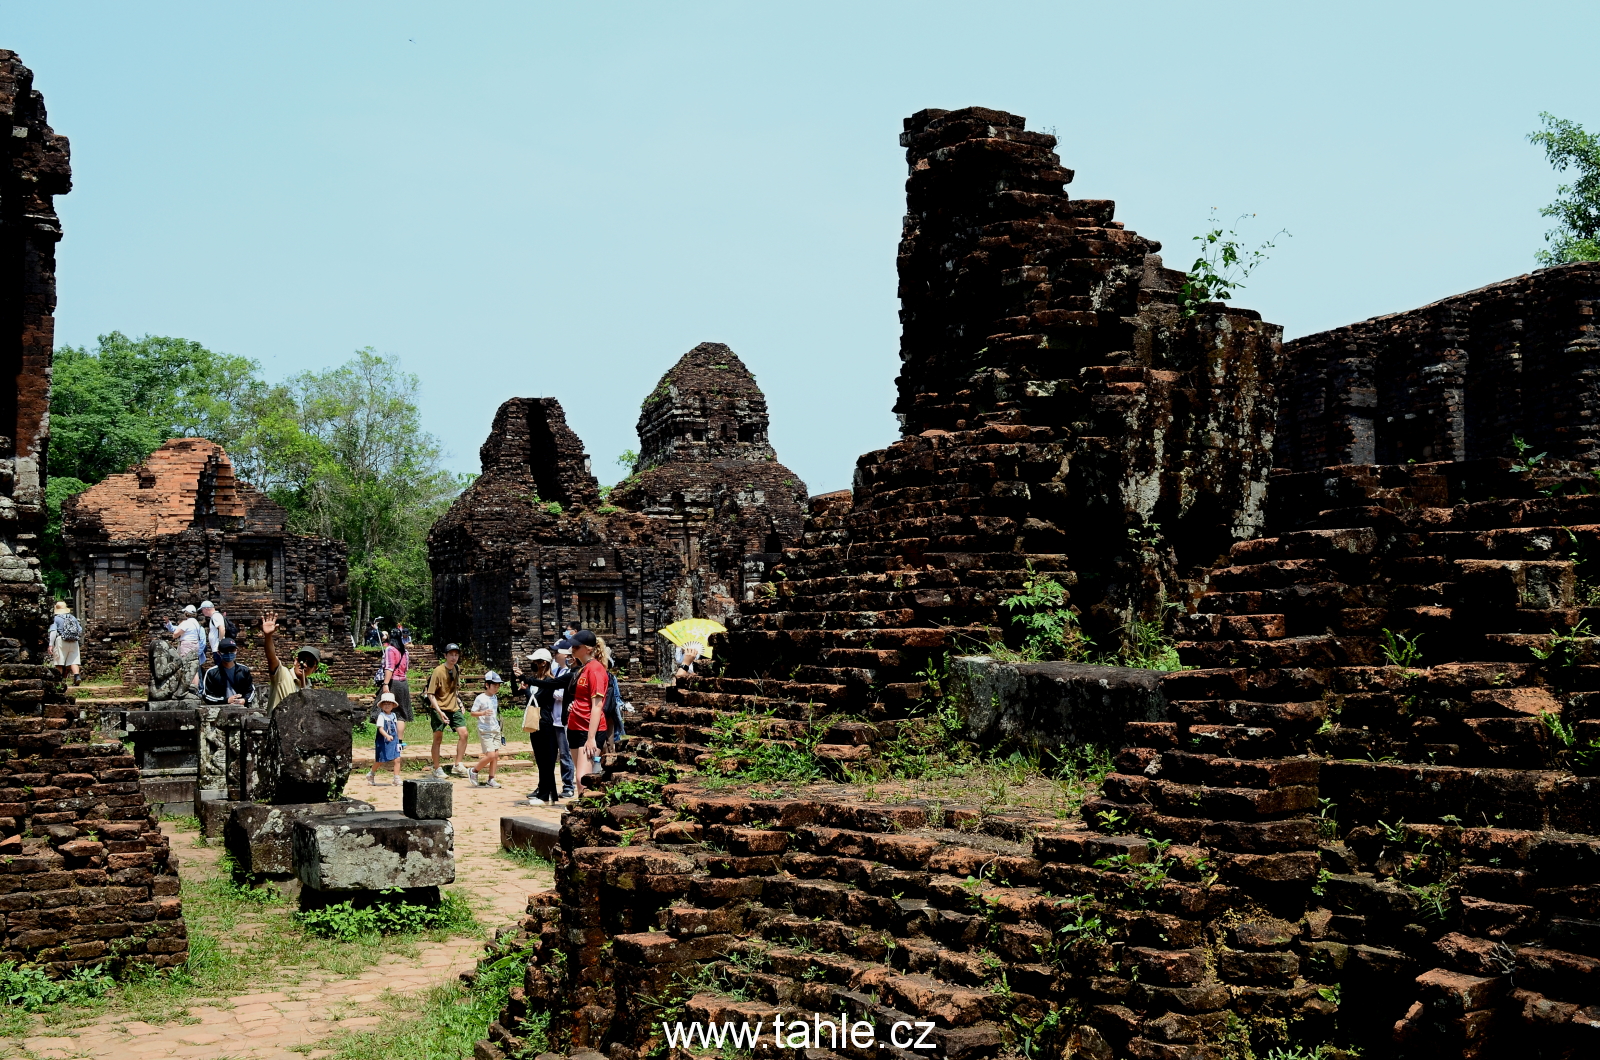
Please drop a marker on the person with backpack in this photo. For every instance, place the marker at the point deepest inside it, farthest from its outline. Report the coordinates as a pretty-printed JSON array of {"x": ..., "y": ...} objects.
[
  {"x": 562, "y": 668},
  {"x": 393, "y": 670},
  {"x": 65, "y": 633},
  {"x": 227, "y": 681},
  {"x": 586, "y": 705}
]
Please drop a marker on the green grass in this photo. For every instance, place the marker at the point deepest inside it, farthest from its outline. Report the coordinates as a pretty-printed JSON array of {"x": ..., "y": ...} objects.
[
  {"x": 219, "y": 914},
  {"x": 526, "y": 857},
  {"x": 453, "y": 1016}
]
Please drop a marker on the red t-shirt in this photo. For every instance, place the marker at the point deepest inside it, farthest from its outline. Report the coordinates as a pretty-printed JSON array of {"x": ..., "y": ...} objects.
[{"x": 592, "y": 681}]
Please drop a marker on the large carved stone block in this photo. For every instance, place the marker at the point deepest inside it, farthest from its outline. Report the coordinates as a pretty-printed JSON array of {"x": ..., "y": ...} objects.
[
  {"x": 307, "y": 752},
  {"x": 373, "y": 852},
  {"x": 260, "y": 837}
]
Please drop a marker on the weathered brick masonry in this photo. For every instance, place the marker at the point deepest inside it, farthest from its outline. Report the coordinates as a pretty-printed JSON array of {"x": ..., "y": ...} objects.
[
  {"x": 85, "y": 875},
  {"x": 1454, "y": 380},
  {"x": 34, "y": 169},
  {"x": 1060, "y": 410}
]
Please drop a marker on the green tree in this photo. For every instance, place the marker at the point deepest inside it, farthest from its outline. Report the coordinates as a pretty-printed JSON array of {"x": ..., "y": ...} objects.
[
  {"x": 1576, "y": 236},
  {"x": 344, "y": 451},
  {"x": 112, "y": 406}
]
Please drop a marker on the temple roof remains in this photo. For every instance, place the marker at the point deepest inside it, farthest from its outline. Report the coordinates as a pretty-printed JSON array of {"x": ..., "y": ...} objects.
[{"x": 186, "y": 481}]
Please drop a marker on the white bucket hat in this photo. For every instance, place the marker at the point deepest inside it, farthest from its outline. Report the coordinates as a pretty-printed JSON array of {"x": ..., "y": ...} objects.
[{"x": 387, "y": 697}]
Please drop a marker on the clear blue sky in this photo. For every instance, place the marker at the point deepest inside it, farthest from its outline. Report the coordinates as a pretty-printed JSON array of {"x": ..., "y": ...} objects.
[{"x": 541, "y": 198}]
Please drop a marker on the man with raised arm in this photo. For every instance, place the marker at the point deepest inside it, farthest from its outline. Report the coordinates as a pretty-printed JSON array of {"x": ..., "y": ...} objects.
[{"x": 285, "y": 681}]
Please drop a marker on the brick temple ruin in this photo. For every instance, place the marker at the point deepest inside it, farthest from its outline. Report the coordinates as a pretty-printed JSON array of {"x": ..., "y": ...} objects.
[
  {"x": 85, "y": 876},
  {"x": 1366, "y": 821},
  {"x": 179, "y": 528},
  {"x": 531, "y": 546}
]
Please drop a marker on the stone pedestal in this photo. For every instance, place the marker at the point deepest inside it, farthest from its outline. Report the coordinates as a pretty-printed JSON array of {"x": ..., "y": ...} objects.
[
  {"x": 542, "y": 834},
  {"x": 260, "y": 837},
  {"x": 166, "y": 745},
  {"x": 373, "y": 852}
]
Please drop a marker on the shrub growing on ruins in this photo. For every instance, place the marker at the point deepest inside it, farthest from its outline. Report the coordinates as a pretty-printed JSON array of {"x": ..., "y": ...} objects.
[
  {"x": 1222, "y": 266},
  {"x": 346, "y": 923},
  {"x": 1048, "y": 625}
]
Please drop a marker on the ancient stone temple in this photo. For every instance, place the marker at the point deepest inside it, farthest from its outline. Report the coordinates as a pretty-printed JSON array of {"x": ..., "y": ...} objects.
[
  {"x": 530, "y": 546},
  {"x": 180, "y": 528},
  {"x": 34, "y": 169},
  {"x": 710, "y": 479}
]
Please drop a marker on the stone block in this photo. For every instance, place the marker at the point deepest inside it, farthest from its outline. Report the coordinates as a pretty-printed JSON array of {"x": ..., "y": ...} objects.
[
  {"x": 260, "y": 837},
  {"x": 214, "y": 814},
  {"x": 542, "y": 834},
  {"x": 1053, "y": 705},
  {"x": 373, "y": 852},
  {"x": 428, "y": 800},
  {"x": 306, "y": 757}
]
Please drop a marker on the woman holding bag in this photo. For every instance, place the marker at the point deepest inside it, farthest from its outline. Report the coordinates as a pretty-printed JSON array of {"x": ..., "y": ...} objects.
[{"x": 538, "y": 721}]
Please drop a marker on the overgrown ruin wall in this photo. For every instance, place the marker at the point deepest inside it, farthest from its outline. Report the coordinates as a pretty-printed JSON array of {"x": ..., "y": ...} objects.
[
  {"x": 34, "y": 169},
  {"x": 1062, "y": 411},
  {"x": 1366, "y": 820}
]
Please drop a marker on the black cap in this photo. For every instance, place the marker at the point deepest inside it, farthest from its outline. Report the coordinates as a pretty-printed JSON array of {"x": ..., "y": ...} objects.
[
  {"x": 448, "y": 648},
  {"x": 586, "y": 638},
  {"x": 227, "y": 644}
]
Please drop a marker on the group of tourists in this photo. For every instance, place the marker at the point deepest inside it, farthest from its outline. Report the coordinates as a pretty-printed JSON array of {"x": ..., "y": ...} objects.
[
  {"x": 572, "y": 709},
  {"x": 443, "y": 697}
]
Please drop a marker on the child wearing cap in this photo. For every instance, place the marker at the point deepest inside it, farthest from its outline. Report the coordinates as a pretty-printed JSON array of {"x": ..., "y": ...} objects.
[
  {"x": 486, "y": 708},
  {"x": 388, "y": 741}
]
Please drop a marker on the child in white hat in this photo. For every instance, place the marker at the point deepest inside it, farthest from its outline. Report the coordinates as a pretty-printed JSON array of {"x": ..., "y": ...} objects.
[{"x": 388, "y": 742}]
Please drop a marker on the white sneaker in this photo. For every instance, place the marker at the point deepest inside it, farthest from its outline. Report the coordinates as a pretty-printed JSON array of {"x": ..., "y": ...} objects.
[
  {"x": 491, "y": 783},
  {"x": 438, "y": 774},
  {"x": 462, "y": 771},
  {"x": 371, "y": 779},
  {"x": 472, "y": 777}
]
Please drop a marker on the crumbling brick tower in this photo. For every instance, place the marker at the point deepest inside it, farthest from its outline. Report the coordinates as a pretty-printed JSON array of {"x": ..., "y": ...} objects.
[
  {"x": 86, "y": 877},
  {"x": 525, "y": 550},
  {"x": 34, "y": 169},
  {"x": 708, "y": 475},
  {"x": 1060, "y": 409}
]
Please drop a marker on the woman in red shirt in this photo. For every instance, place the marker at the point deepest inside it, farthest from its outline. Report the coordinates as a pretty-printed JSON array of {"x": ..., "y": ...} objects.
[{"x": 586, "y": 706}]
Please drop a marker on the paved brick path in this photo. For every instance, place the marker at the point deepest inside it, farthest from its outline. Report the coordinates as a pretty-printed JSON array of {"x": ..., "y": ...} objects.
[{"x": 267, "y": 1025}]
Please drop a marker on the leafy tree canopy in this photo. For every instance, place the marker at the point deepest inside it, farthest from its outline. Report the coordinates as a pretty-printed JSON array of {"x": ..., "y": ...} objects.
[
  {"x": 342, "y": 449},
  {"x": 1576, "y": 236},
  {"x": 110, "y": 407}
]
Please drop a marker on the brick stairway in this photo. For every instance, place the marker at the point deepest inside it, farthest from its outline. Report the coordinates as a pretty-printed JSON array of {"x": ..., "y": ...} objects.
[{"x": 1423, "y": 829}]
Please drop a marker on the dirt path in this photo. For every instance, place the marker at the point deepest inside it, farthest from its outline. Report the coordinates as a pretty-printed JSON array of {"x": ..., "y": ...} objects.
[{"x": 299, "y": 1010}]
